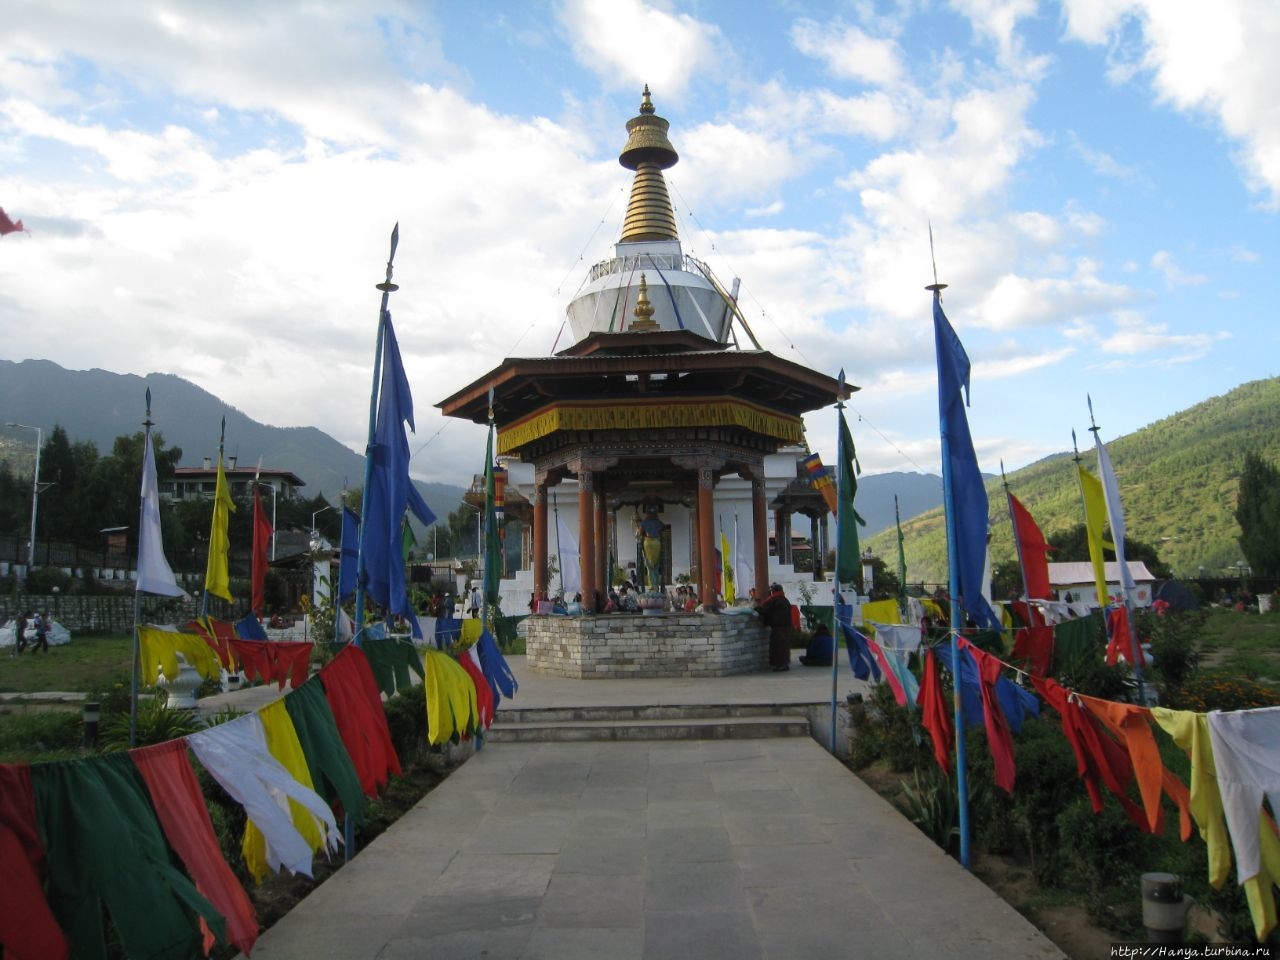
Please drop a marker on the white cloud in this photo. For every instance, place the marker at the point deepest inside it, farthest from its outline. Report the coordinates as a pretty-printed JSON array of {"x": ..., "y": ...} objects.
[
  {"x": 1134, "y": 335},
  {"x": 630, "y": 42},
  {"x": 848, "y": 52},
  {"x": 1217, "y": 59},
  {"x": 998, "y": 20},
  {"x": 1174, "y": 276},
  {"x": 1015, "y": 302},
  {"x": 321, "y": 66}
]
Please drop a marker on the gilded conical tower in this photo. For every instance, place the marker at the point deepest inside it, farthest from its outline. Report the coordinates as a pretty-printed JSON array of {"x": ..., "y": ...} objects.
[
  {"x": 648, "y": 152},
  {"x": 684, "y": 294}
]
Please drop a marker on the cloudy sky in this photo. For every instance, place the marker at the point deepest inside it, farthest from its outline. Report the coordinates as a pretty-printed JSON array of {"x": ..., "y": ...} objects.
[{"x": 210, "y": 188}]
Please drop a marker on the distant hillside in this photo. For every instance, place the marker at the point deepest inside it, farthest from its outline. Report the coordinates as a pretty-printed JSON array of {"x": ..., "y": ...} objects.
[
  {"x": 916, "y": 493},
  {"x": 1178, "y": 482},
  {"x": 99, "y": 406}
]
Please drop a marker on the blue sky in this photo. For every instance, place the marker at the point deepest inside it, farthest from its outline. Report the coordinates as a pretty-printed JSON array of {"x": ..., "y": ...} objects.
[{"x": 209, "y": 189}]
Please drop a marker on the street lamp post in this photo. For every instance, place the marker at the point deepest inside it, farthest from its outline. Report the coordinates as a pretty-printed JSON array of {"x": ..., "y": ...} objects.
[
  {"x": 315, "y": 546},
  {"x": 35, "y": 494},
  {"x": 315, "y": 534}
]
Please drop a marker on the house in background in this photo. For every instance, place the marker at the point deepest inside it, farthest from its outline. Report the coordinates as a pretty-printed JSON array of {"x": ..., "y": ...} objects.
[
  {"x": 1077, "y": 580},
  {"x": 198, "y": 483}
]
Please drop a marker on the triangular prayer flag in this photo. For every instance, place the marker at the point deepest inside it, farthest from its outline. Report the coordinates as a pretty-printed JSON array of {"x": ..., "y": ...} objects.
[
  {"x": 1095, "y": 515},
  {"x": 902, "y": 560},
  {"x": 390, "y": 490},
  {"x": 261, "y": 544},
  {"x": 730, "y": 587},
  {"x": 492, "y": 549},
  {"x": 10, "y": 226},
  {"x": 820, "y": 480},
  {"x": 1033, "y": 551},
  {"x": 217, "y": 579},
  {"x": 348, "y": 555},
  {"x": 154, "y": 573},
  {"x": 847, "y": 520},
  {"x": 1115, "y": 516},
  {"x": 407, "y": 539}
]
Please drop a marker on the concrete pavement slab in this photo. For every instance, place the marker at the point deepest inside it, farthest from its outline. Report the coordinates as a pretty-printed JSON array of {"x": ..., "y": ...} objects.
[{"x": 674, "y": 849}]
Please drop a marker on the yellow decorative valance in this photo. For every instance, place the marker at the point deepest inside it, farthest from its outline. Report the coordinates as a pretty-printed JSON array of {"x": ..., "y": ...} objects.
[{"x": 650, "y": 414}]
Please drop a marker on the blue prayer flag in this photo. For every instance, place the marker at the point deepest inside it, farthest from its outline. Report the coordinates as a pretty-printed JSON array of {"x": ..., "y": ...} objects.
[
  {"x": 348, "y": 555},
  {"x": 968, "y": 506},
  {"x": 390, "y": 490}
]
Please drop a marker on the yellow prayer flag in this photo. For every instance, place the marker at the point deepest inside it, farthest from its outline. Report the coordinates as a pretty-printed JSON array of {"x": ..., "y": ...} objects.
[
  {"x": 1095, "y": 515},
  {"x": 217, "y": 580},
  {"x": 726, "y": 565}
]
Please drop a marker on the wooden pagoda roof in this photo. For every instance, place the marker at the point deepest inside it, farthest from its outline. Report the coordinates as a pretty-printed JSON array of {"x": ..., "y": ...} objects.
[{"x": 623, "y": 366}]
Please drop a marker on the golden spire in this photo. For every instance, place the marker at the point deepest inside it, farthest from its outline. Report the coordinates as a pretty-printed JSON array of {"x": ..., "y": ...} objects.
[
  {"x": 643, "y": 322},
  {"x": 648, "y": 152}
]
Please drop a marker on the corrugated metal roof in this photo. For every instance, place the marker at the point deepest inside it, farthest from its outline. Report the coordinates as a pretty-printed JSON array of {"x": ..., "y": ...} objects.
[{"x": 1071, "y": 574}]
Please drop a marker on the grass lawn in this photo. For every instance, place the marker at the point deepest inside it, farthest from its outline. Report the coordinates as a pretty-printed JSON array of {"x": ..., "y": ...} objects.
[
  {"x": 1244, "y": 644},
  {"x": 85, "y": 665}
]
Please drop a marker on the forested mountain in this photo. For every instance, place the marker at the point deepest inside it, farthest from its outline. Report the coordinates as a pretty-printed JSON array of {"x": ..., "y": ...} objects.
[
  {"x": 1178, "y": 482},
  {"x": 98, "y": 406}
]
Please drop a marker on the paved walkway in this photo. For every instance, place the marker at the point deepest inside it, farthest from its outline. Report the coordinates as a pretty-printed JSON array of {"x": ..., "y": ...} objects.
[{"x": 691, "y": 850}]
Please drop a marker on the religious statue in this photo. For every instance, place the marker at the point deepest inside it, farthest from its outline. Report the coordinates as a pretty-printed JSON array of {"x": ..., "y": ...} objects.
[{"x": 649, "y": 536}]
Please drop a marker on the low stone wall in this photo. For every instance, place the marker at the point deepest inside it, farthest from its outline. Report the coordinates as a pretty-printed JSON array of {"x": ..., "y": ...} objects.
[
  {"x": 617, "y": 646},
  {"x": 112, "y": 613}
]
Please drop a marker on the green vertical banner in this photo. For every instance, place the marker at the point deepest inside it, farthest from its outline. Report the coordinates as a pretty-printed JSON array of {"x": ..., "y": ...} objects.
[{"x": 849, "y": 553}]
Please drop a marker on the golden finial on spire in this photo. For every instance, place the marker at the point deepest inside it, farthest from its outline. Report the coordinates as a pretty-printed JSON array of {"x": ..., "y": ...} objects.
[
  {"x": 648, "y": 152},
  {"x": 643, "y": 312}
]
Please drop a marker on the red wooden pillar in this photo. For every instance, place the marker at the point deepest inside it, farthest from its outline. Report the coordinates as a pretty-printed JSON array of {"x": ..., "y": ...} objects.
[
  {"x": 760, "y": 531},
  {"x": 539, "y": 540},
  {"x": 707, "y": 586},
  {"x": 603, "y": 571}
]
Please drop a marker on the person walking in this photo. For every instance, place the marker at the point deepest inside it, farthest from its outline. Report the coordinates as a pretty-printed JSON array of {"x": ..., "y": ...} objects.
[
  {"x": 775, "y": 613},
  {"x": 42, "y": 632},
  {"x": 20, "y": 632}
]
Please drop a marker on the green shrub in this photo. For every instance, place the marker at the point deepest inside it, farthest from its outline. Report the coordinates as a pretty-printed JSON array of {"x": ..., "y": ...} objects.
[
  {"x": 882, "y": 730},
  {"x": 1046, "y": 779},
  {"x": 1175, "y": 643},
  {"x": 407, "y": 722},
  {"x": 1104, "y": 853},
  {"x": 933, "y": 805},
  {"x": 157, "y": 723},
  {"x": 40, "y": 735}
]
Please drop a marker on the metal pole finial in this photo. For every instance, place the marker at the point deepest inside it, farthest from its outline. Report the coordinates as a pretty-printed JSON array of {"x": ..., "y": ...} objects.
[
  {"x": 387, "y": 286},
  {"x": 936, "y": 287}
]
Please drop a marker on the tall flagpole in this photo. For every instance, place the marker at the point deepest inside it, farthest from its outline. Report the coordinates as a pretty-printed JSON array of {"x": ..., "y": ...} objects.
[
  {"x": 137, "y": 605},
  {"x": 489, "y": 521},
  {"x": 387, "y": 288},
  {"x": 953, "y": 584},
  {"x": 1121, "y": 564},
  {"x": 835, "y": 580}
]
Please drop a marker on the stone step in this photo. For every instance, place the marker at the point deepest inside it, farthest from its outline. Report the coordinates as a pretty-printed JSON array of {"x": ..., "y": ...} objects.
[
  {"x": 671, "y": 728},
  {"x": 690, "y": 711}
]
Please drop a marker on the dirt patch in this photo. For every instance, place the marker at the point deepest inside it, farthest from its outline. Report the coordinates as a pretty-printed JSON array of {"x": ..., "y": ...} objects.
[{"x": 1067, "y": 924}]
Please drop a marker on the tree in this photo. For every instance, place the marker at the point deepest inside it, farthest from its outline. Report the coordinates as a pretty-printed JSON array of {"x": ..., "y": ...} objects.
[{"x": 1258, "y": 513}]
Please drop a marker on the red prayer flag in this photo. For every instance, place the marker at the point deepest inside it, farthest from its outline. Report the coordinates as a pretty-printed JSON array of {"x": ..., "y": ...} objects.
[
  {"x": 261, "y": 540},
  {"x": 1032, "y": 551},
  {"x": 10, "y": 226}
]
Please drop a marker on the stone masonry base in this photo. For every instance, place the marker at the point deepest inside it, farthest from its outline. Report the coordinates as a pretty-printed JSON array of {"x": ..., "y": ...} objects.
[{"x": 617, "y": 646}]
